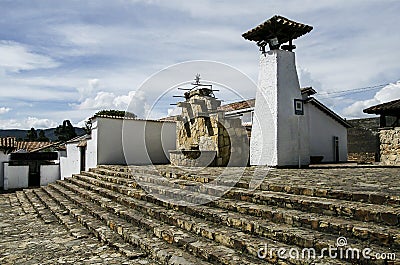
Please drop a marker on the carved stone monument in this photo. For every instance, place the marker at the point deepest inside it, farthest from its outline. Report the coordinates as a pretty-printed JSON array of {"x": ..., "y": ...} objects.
[{"x": 205, "y": 137}]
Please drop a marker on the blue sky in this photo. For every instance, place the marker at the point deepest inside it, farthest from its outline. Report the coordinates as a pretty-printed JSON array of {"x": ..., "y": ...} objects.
[{"x": 66, "y": 59}]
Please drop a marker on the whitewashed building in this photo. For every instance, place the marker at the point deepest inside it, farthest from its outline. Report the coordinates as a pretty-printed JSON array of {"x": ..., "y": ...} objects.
[
  {"x": 325, "y": 127},
  {"x": 119, "y": 140},
  {"x": 23, "y": 165}
]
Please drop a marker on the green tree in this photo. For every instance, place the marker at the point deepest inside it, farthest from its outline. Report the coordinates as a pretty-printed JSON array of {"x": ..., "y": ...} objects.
[
  {"x": 65, "y": 131},
  {"x": 42, "y": 137},
  {"x": 116, "y": 113},
  {"x": 31, "y": 136},
  {"x": 88, "y": 126}
]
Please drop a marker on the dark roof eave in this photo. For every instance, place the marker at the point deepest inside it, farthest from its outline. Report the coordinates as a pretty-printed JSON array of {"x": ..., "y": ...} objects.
[
  {"x": 389, "y": 108},
  {"x": 264, "y": 31},
  {"x": 79, "y": 138},
  {"x": 394, "y": 112}
]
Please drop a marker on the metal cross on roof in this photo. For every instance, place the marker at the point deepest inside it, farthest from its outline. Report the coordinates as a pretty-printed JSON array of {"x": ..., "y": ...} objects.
[{"x": 197, "y": 79}]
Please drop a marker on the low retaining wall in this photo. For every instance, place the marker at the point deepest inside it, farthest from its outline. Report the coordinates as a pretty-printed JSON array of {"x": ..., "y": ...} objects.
[
  {"x": 193, "y": 158},
  {"x": 362, "y": 157}
]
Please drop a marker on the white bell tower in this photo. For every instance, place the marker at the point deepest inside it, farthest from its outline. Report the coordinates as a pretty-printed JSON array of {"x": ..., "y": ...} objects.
[{"x": 280, "y": 132}]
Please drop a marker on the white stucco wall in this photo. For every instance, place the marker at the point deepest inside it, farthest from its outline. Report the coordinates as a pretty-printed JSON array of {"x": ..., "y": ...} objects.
[
  {"x": 247, "y": 117},
  {"x": 49, "y": 174},
  {"x": 3, "y": 158},
  {"x": 15, "y": 176},
  {"x": 275, "y": 136},
  {"x": 135, "y": 142},
  {"x": 71, "y": 163},
  {"x": 145, "y": 142},
  {"x": 91, "y": 148},
  {"x": 322, "y": 130}
]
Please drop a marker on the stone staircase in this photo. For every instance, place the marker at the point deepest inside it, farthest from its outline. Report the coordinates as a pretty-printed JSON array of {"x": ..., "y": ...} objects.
[{"x": 159, "y": 215}]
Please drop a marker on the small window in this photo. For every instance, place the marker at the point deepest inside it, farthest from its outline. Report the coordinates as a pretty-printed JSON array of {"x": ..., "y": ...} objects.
[{"x": 298, "y": 107}]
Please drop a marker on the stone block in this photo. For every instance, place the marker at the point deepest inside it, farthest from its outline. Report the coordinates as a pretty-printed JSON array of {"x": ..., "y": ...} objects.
[{"x": 390, "y": 218}]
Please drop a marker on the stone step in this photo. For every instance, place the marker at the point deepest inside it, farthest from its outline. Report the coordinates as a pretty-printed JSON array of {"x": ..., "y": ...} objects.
[
  {"x": 152, "y": 246},
  {"x": 201, "y": 247},
  {"x": 62, "y": 215},
  {"x": 369, "y": 196},
  {"x": 170, "y": 191},
  {"x": 14, "y": 201},
  {"x": 44, "y": 213},
  {"x": 381, "y": 214},
  {"x": 383, "y": 235},
  {"x": 266, "y": 185},
  {"x": 26, "y": 239},
  {"x": 388, "y": 215},
  {"x": 233, "y": 238},
  {"x": 301, "y": 237},
  {"x": 25, "y": 204},
  {"x": 81, "y": 220}
]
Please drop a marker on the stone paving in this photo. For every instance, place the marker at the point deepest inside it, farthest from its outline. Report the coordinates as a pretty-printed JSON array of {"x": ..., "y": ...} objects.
[{"x": 158, "y": 215}]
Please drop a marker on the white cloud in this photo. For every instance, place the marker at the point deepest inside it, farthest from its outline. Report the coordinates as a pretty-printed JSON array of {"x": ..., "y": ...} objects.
[
  {"x": 306, "y": 79},
  {"x": 4, "y": 110},
  {"x": 174, "y": 111},
  {"x": 86, "y": 91},
  {"x": 16, "y": 57},
  {"x": 40, "y": 123},
  {"x": 30, "y": 122},
  {"x": 387, "y": 93},
  {"x": 100, "y": 101},
  {"x": 133, "y": 102},
  {"x": 223, "y": 9},
  {"x": 110, "y": 40},
  {"x": 81, "y": 123}
]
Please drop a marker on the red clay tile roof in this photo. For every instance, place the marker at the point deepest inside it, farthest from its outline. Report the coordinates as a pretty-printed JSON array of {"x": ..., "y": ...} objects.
[
  {"x": 245, "y": 104},
  {"x": 30, "y": 146},
  {"x": 10, "y": 143}
]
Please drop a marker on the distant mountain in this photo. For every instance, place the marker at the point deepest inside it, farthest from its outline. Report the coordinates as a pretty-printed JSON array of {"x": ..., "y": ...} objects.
[{"x": 48, "y": 132}]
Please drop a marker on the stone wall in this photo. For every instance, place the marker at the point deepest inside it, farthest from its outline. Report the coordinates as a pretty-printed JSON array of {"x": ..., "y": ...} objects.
[
  {"x": 390, "y": 146},
  {"x": 363, "y": 140},
  {"x": 193, "y": 158},
  {"x": 361, "y": 157}
]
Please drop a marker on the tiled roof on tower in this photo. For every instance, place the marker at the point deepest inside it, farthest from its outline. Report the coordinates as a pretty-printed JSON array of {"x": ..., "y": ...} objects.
[{"x": 276, "y": 31}]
